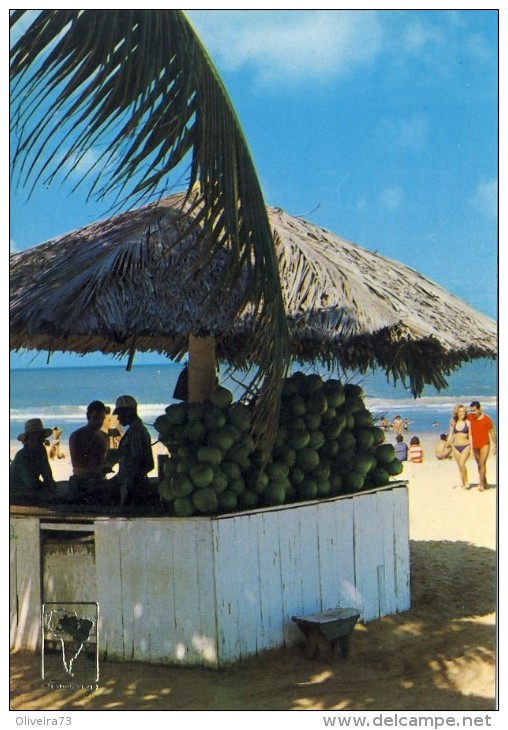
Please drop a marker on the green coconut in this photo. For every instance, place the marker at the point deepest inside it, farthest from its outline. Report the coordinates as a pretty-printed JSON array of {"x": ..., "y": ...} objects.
[
  {"x": 364, "y": 438},
  {"x": 307, "y": 458},
  {"x": 353, "y": 481},
  {"x": 182, "y": 485},
  {"x": 274, "y": 494},
  {"x": 248, "y": 500},
  {"x": 165, "y": 490},
  {"x": 184, "y": 507},
  {"x": 379, "y": 477},
  {"x": 334, "y": 391},
  {"x": 395, "y": 467},
  {"x": 209, "y": 455},
  {"x": 336, "y": 486},
  {"x": 213, "y": 417},
  {"x": 385, "y": 453},
  {"x": 324, "y": 488},
  {"x": 162, "y": 425},
  {"x": 296, "y": 475},
  {"x": 220, "y": 481},
  {"x": 298, "y": 440},
  {"x": 307, "y": 490},
  {"x": 205, "y": 501},
  {"x": 231, "y": 470},
  {"x": 176, "y": 413},
  {"x": 201, "y": 475},
  {"x": 221, "y": 397},
  {"x": 228, "y": 501}
]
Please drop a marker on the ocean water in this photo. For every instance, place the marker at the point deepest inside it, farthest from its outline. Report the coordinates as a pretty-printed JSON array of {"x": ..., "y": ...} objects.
[{"x": 60, "y": 395}]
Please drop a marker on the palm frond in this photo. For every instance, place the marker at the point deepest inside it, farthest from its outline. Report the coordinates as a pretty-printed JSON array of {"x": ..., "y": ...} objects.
[{"x": 139, "y": 86}]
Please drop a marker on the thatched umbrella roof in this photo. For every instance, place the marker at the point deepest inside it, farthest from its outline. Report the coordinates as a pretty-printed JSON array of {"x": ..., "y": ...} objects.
[{"x": 133, "y": 282}]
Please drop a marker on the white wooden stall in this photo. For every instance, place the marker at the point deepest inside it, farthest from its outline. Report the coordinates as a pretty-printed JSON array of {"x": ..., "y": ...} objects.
[{"x": 211, "y": 591}]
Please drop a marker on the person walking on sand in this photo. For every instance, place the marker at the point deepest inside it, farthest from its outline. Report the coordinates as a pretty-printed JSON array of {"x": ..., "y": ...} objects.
[
  {"x": 483, "y": 437},
  {"x": 459, "y": 438}
]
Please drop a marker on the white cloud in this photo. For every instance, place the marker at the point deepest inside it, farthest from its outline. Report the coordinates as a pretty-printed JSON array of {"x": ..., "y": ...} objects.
[
  {"x": 293, "y": 46},
  {"x": 391, "y": 198},
  {"x": 485, "y": 198},
  {"x": 13, "y": 246},
  {"x": 410, "y": 133}
]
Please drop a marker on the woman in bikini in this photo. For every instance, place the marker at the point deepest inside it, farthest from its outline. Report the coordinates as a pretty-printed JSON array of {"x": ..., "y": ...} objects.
[{"x": 459, "y": 438}]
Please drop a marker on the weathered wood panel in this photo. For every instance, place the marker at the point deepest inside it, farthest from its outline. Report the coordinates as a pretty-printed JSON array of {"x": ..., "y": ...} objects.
[
  {"x": 368, "y": 549},
  {"x": 270, "y": 580},
  {"x": 25, "y": 542},
  {"x": 401, "y": 548},
  {"x": 108, "y": 562},
  {"x": 214, "y": 590}
]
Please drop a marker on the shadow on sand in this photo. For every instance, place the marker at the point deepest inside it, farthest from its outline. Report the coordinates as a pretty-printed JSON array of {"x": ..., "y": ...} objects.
[{"x": 439, "y": 655}]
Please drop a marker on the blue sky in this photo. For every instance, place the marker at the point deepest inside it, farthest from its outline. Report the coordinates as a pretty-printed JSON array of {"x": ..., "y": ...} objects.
[{"x": 380, "y": 126}]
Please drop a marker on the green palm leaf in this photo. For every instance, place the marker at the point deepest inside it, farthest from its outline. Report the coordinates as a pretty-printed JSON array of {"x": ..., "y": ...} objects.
[{"x": 139, "y": 86}]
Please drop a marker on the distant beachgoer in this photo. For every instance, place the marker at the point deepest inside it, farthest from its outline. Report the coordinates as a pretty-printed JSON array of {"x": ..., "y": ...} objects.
[
  {"x": 435, "y": 424},
  {"x": 406, "y": 424},
  {"x": 30, "y": 472},
  {"x": 112, "y": 428},
  {"x": 385, "y": 423},
  {"x": 398, "y": 424},
  {"x": 443, "y": 448},
  {"x": 415, "y": 451},
  {"x": 55, "y": 451},
  {"x": 89, "y": 447},
  {"x": 400, "y": 448},
  {"x": 459, "y": 438},
  {"x": 483, "y": 437}
]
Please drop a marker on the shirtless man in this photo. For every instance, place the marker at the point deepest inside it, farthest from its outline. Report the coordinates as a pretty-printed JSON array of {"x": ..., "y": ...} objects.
[
  {"x": 483, "y": 437},
  {"x": 89, "y": 447}
]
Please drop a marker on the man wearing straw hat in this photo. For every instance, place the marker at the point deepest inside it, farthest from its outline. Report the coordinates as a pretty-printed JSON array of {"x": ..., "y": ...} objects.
[{"x": 30, "y": 472}]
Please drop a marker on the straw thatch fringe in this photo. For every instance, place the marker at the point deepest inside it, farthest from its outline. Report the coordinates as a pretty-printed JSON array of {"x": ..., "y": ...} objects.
[{"x": 133, "y": 282}]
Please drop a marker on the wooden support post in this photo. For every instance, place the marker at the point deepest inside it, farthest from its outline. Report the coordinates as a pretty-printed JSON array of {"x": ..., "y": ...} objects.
[{"x": 202, "y": 368}]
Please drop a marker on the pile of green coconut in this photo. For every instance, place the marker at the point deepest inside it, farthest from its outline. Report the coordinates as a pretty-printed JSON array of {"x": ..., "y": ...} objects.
[{"x": 327, "y": 444}]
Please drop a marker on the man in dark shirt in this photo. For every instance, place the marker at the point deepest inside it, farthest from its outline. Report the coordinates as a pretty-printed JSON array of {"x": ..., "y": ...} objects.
[{"x": 135, "y": 456}]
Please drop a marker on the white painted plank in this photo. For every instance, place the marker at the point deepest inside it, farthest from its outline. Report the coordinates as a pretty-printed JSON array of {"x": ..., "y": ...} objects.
[
  {"x": 135, "y": 585},
  {"x": 271, "y": 615},
  {"x": 28, "y": 590},
  {"x": 206, "y": 641},
  {"x": 308, "y": 528},
  {"x": 247, "y": 549},
  {"x": 367, "y": 551},
  {"x": 329, "y": 585},
  {"x": 228, "y": 566},
  {"x": 292, "y": 599},
  {"x": 402, "y": 560},
  {"x": 109, "y": 587},
  {"x": 161, "y": 621},
  {"x": 386, "y": 571},
  {"x": 349, "y": 595},
  {"x": 187, "y": 608},
  {"x": 13, "y": 586}
]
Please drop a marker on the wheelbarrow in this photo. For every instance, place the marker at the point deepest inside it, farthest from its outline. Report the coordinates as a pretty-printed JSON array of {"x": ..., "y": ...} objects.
[{"x": 324, "y": 630}]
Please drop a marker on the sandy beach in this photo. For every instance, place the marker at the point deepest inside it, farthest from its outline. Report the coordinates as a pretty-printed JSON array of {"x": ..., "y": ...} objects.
[{"x": 439, "y": 655}]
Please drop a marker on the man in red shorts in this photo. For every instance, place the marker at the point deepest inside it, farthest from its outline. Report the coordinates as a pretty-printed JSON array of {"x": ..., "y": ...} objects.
[{"x": 483, "y": 437}]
